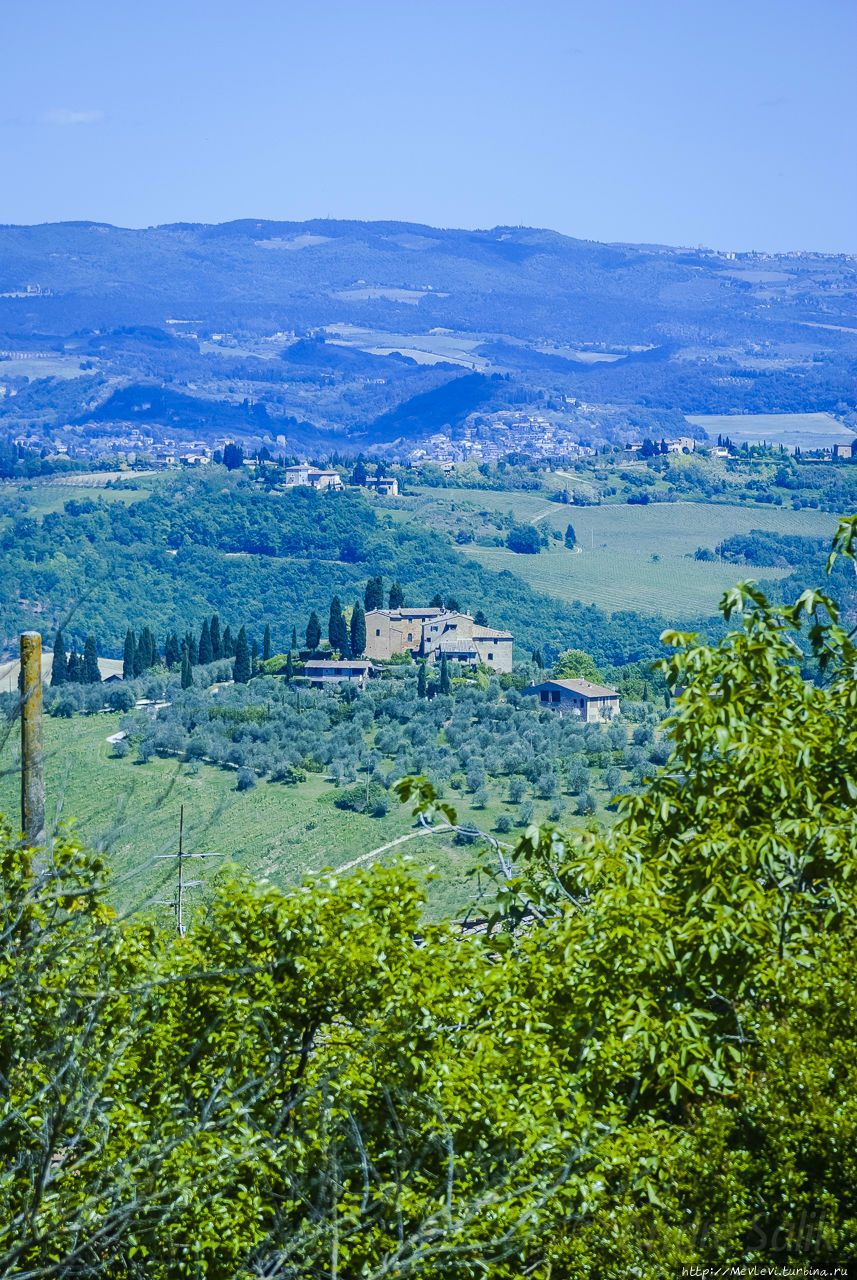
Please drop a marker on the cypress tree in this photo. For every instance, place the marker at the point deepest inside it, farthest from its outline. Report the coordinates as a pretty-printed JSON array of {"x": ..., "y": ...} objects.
[
  {"x": 397, "y": 596},
  {"x": 436, "y": 601},
  {"x": 172, "y": 652},
  {"x": 337, "y": 632},
  {"x": 128, "y": 656},
  {"x": 187, "y": 673},
  {"x": 148, "y": 648},
  {"x": 190, "y": 646},
  {"x": 570, "y": 536},
  {"x": 140, "y": 655},
  {"x": 91, "y": 674},
  {"x": 266, "y": 643},
  {"x": 294, "y": 638},
  {"x": 290, "y": 667},
  {"x": 358, "y": 630},
  {"x": 313, "y": 631},
  {"x": 373, "y": 596},
  {"x": 206, "y": 649},
  {"x": 538, "y": 659},
  {"x": 445, "y": 685},
  {"x": 59, "y": 663},
  {"x": 421, "y": 681},
  {"x": 241, "y": 669},
  {"x": 72, "y": 671},
  {"x": 216, "y": 639},
  {"x": 227, "y": 644},
  {"x": 254, "y": 658}
]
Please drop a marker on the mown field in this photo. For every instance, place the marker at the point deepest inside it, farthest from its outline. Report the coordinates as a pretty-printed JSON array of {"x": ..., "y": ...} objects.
[
  {"x": 674, "y": 587},
  {"x": 39, "y": 497},
  {"x": 131, "y": 812},
  {"x": 630, "y": 557},
  {"x": 804, "y": 430}
]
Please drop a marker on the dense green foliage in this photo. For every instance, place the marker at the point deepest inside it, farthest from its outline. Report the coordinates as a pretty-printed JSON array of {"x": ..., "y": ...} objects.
[{"x": 647, "y": 1062}]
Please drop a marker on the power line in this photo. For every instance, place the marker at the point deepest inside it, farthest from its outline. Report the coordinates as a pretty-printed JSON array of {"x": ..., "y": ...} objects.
[{"x": 177, "y": 904}]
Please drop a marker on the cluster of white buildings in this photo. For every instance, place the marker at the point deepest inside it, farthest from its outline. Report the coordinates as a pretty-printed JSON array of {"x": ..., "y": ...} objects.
[
  {"x": 499, "y": 434},
  {"x": 325, "y": 479}
]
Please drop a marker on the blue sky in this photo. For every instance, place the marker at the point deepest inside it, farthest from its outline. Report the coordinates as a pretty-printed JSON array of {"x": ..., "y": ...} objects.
[{"x": 673, "y": 121}]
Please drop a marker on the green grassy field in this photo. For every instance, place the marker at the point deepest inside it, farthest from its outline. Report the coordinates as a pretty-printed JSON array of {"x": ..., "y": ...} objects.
[
  {"x": 806, "y": 430},
  {"x": 674, "y": 587},
  {"x": 130, "y": 811},
  {"x": 614, "y": 567},
  {"x": 41, "y": 498}
]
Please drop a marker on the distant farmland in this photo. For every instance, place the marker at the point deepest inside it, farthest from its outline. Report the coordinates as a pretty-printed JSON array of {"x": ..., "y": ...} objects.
[
  {"x": 801, "y": 430},
  {"x": 615, "y": 568},
  {"x": 673, "y": 586}
]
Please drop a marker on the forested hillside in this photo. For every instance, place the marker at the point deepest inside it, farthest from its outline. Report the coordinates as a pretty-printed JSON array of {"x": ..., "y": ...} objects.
[{"x": 219, "y": 544}]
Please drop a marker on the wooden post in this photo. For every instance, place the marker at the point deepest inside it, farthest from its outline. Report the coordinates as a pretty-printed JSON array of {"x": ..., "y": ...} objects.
[{"x": 32, "y": 747}]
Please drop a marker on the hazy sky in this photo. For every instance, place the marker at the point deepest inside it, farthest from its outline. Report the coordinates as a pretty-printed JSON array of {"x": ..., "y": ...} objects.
[{"x": 729, "y": 123}]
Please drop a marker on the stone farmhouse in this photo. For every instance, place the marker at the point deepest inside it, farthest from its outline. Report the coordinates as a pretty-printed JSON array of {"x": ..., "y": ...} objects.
[
  {"x": 589, "y": 702},
  {"x": 387, "y": 485},
  {"x": 304, "y": 474},
  {"x": 434, "y": 633}
]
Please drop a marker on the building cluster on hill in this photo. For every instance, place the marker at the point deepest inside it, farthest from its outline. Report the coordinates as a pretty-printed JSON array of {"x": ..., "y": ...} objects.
[
  {"x": 435, "y": 633},
  {"x": 326, "y": 478},
  {"x": 494, "y": 436}
]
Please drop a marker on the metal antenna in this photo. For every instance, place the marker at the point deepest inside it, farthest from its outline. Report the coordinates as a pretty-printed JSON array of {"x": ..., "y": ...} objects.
[{"x": 177, "y": 904}]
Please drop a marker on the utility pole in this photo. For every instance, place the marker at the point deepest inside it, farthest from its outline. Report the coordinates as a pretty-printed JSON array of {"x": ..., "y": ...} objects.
[
  {"x": 177, "y": 904},
  {"x": 32, "y": 742}
]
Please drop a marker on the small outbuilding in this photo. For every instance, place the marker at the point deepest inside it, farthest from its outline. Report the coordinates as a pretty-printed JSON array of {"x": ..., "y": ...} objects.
[
  {"x": 589, "y": 702},
  {"x": 322, "y": 672}
]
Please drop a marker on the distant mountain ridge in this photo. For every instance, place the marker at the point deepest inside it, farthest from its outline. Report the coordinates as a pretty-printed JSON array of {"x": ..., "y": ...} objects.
[{"x": 218, "y": 313}]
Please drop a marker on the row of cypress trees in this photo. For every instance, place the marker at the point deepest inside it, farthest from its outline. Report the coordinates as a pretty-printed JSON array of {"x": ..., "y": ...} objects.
[
  {"x": 348, "y": 639},
  {"x": 373, "y": 596},
  {"x": 75, "y": 668},
  {"x": 141, "y": 653}
]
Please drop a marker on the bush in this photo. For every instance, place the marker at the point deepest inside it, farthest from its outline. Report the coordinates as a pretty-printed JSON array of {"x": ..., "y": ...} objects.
[
  {"x": 525, "y": 539},
  {"x": 246, "y": 779},
  {"x": 120, "y": 698},
  {"x": 120, "y": 748},
  {"x": 505, "y": 822},
  {"x": 291, "y": 774},
  {"x": 363, "y": 799},
  {"x": 525, "y": 813}
]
